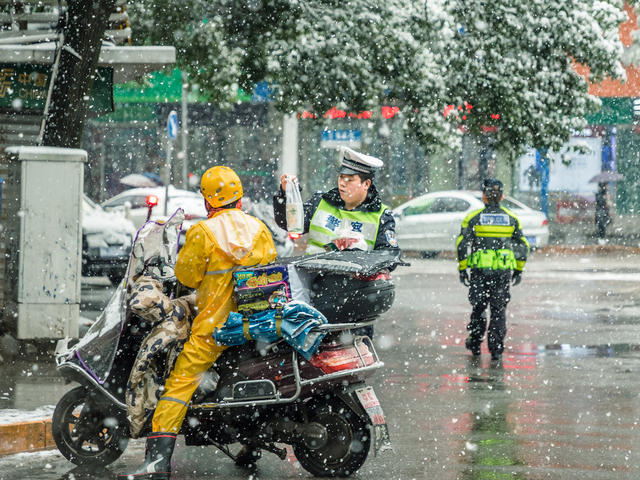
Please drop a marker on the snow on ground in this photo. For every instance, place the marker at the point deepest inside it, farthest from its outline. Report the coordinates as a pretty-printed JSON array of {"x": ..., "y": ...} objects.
[
  {"x": 15, "y": 415},
  {"x": 21, "y": 459}
]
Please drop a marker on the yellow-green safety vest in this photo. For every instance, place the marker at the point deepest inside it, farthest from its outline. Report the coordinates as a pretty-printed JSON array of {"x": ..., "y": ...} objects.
[{"x": 330, "y": 223}]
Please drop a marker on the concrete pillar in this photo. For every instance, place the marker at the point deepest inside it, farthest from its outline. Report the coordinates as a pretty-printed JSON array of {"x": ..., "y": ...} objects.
[{"x": 289, "y": 159}]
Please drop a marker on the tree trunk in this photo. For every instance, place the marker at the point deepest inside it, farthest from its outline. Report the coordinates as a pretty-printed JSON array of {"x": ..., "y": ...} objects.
[{"x": 87, "y": 22}]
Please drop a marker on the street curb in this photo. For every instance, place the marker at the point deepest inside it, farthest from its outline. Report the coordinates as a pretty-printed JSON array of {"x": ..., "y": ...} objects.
[
  {"x": 552, "y": 250},
  {"x": 587, "y": 250},
  {"x": 28, "y": 436}
]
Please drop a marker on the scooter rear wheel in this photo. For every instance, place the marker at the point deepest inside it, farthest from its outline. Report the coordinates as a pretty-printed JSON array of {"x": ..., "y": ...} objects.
[
  {"x": 347, "y": 447},
  {"x": 87, "y": 433}
]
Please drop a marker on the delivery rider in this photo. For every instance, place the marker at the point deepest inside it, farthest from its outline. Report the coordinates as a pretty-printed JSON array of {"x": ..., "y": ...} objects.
[
  {"x": 213, "y": 247},
  {"x": 492, "y": 245}
]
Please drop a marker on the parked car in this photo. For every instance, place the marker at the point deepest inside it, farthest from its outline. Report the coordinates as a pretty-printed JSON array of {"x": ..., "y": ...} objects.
[
  {"x": 263, "y": 210},
  {"x": 106, "y": 241},
  {"x": 133, "y": 203},
  {"x": 431, "y": 222}
]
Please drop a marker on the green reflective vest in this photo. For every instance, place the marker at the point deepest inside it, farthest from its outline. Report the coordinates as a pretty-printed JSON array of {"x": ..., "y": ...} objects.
[
  {"x": 330, "y": 223},
  {"x": 495, "y": 238}
]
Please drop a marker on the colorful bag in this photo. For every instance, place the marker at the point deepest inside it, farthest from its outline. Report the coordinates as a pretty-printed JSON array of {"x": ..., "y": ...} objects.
[{"x": 261, "y": 288}]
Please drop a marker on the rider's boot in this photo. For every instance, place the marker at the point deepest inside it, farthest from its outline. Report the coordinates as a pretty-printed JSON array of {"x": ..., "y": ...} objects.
[{"x": 157, "y": 462}]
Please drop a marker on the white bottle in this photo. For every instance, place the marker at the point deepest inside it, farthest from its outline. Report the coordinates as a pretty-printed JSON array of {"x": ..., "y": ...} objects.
[{"x": 294, "y": 207}]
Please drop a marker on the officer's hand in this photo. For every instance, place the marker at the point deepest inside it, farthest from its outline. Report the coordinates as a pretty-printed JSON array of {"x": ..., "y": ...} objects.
[
  {"x": 464, "y": 278},
  {"x": 284, "y": 178},
  {"x": 516, "y": 277}
]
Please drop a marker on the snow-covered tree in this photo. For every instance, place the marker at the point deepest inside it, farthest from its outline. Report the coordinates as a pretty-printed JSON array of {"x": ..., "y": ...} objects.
[
  {"x": 517, "y": 60},
  {"x": 509, "y": 58},
  {"x": 315, "y": 54}
]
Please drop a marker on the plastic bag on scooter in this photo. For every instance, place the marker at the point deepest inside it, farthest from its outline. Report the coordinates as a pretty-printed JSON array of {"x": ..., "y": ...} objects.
[{"x": 296, "y": 327}]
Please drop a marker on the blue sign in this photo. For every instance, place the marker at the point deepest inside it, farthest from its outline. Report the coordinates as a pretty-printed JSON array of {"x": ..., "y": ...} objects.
[
  {"x": 342, "y": 136},
  {"x": 172, "y": 125}
]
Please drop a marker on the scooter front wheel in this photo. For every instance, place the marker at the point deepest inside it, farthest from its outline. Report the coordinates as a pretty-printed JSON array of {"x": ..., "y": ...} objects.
[
  {"x": 85, "y": 432},
  {"x": 347, "y": 446}
]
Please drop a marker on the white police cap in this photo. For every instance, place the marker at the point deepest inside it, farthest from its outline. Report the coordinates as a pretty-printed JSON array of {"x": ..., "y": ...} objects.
[{"x": 355, "y": 162}]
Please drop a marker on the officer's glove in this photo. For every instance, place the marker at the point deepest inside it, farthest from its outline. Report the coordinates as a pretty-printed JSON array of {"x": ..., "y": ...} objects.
[
  {"x": 464, "y": 278},
  {"x": 516, "y": 277}
]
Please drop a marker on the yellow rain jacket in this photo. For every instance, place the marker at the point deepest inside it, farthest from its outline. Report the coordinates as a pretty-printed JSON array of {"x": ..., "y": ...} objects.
[{"x": 213, "y": 248}]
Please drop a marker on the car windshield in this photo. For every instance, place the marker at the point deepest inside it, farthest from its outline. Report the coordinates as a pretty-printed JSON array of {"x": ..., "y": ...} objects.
[{"x": 420, "y": 206}]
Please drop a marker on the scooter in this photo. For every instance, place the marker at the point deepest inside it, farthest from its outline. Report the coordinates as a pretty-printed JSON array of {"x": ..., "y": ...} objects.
[{"x": 261, "y": 396}]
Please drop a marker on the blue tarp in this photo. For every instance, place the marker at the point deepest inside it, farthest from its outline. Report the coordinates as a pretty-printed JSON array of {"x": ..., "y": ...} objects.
[{"x": 298, "y": 321}]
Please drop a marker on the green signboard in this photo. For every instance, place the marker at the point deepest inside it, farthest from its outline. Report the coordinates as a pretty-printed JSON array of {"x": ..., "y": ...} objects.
[
  {"x": 614, "y": 111},
  {"x": 25, "y": 86}
]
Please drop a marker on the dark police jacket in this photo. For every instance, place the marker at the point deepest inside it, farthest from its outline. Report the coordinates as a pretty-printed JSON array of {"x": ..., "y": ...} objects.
[
  {"x": 491, "y": 238},
  {"x": 386, "y": 236}
]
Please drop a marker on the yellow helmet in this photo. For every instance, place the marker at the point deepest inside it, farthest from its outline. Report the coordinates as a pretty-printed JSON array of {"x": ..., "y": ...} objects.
[{"x": 221, "y": 186}]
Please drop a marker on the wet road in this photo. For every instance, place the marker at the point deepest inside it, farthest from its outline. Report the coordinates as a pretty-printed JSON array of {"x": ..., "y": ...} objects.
[{"x": 563, "y": 404}]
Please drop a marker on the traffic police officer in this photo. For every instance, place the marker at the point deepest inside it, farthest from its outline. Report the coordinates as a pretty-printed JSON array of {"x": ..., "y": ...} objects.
[
  {"x": 492, "y": 245},
  {"x": 350, "y": 215}
]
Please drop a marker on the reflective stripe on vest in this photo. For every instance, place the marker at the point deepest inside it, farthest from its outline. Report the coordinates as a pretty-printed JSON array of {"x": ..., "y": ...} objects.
[
  {"x": 493, "y": 231},
  {"x": 330, "y": 223},
  {"x": 502, "y": 259}
]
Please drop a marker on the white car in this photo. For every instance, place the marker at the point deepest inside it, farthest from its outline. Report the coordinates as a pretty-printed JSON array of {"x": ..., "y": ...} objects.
[
  {"x": 431, "y": 222},
  {"x": 106, "y": 241},
  {"x": 134, "y": 203},
  {"x": 263, "y": 210}
]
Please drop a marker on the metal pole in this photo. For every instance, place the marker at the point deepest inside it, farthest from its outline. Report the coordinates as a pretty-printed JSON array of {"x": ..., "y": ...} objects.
[
  {"x": 101, "y": 167},
  {"x": 52, "y": 80},
  {"x": 185, "y": 121},
  {"x": 168, "y": 175}
]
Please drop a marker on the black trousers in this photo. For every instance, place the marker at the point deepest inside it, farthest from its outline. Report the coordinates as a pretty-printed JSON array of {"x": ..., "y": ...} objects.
[{"x": 489, "y": 288}]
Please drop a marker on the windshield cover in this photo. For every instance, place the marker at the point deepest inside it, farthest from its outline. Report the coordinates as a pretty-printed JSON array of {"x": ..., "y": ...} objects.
[{"x": 97, "y": 349}]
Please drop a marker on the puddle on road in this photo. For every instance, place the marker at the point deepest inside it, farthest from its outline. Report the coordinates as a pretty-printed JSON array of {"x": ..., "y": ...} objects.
[
  {"x": 606, "y": 318},
  {"x": 504, "y": 431}
]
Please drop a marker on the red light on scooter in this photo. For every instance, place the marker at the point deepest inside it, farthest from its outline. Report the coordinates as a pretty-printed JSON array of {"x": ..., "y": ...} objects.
[
  {"x": 545, "y": 222},
  {"x": 151, "y": 200},
  {"x": 330, "y": 361},
  {"x": 294, "y": 236},
  {"x": 384, "y": 275}
]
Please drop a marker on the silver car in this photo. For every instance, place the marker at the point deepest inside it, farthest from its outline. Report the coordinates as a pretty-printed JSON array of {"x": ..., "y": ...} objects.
[{"x": 431, "y": 222}]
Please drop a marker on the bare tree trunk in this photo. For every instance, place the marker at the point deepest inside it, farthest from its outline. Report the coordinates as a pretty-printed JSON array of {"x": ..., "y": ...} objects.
[{"x": 87, "y": 22}]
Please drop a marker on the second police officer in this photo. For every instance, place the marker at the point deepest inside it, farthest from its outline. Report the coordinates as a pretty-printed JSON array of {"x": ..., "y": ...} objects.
[{"x": 492, "y": 245}]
